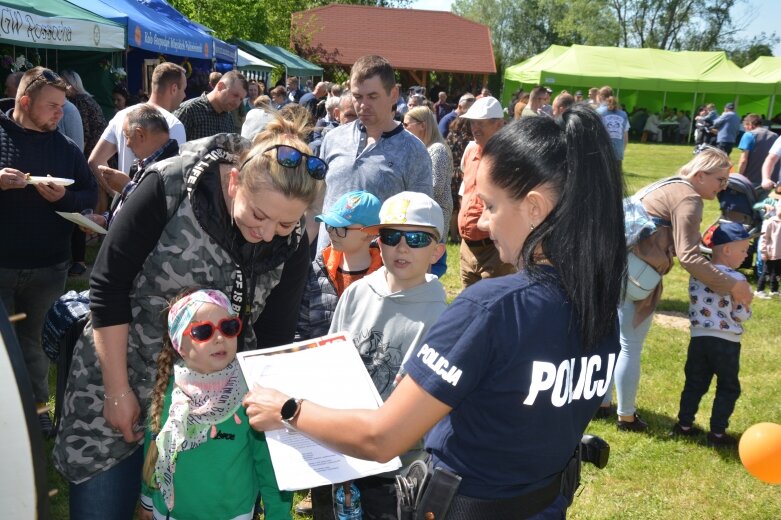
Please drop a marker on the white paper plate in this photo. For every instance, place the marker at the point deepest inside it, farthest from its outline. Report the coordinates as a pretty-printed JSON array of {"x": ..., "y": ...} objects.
[
  {"x": 54, "y": 180},
  {"x": 81, "y": 220}
]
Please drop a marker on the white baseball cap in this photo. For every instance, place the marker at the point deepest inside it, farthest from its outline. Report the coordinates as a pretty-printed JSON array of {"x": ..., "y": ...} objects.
[
  {"x": 485, "y": 108},
  {"x": 410, "y": 208}
]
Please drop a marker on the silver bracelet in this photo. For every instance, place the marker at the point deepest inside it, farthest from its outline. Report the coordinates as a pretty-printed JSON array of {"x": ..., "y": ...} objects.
[{"x": 116, "y": 399}]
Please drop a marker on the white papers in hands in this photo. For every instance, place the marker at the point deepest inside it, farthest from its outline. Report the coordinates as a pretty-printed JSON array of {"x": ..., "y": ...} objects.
[
  {"x": 81, "y": 220},
  {"x": 62, "y": 181},
  {"x": 327, "y": 371}
]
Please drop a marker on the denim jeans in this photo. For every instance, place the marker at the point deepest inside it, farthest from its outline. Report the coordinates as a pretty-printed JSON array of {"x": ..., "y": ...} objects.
[
  {"x": 627, "y": 373},
  {"x": 33, "y": 291},
  {"x": 111, "y": 494}
]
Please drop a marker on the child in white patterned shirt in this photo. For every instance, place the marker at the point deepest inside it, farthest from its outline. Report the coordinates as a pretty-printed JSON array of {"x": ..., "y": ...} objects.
[{"x": 714, "y": 349}]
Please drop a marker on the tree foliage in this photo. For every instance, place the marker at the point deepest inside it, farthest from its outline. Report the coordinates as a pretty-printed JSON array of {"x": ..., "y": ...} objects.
[
  {"x": 264, "y": 22},
  {"x": 675, "y": 24},
  {"x": 756, "y": 47},
  {"x": 523, "y": 28},
  {"x": 244, "y": 19}
]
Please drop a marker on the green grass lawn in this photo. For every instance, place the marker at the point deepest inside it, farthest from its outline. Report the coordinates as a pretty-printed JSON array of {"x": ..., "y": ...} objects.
[{"x": 650, "y": 475}]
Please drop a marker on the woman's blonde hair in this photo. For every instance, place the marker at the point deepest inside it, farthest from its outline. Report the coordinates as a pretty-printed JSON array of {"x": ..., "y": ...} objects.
[
  {"x": 73, "y": 78},
  {"x": 709, "y": 160},
  {"x": 260, "y": 169},
  {"x": 262, "y": 101},
  {"x": 431, "y": 134}
]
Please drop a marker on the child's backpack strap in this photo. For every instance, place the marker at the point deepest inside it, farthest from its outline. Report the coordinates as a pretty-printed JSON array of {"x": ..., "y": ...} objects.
[{"x": 640, "y": 195}]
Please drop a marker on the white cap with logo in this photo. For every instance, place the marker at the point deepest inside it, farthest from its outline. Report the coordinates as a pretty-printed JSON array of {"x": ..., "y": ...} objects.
[{"x": 410, "y": 208}]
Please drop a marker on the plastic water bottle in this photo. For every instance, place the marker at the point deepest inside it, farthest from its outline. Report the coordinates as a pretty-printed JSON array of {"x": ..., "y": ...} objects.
[{"x": 348, "y": 502}]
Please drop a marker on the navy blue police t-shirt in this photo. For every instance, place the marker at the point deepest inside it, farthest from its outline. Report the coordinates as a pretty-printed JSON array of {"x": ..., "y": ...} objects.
[{"x": 506, "y": 355}]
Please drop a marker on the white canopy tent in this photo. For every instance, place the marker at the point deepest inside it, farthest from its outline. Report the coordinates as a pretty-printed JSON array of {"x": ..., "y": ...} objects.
[{"x": 253, "y": 67}]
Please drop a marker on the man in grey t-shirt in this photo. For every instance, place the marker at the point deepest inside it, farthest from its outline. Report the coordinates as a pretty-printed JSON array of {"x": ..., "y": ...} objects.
[{"x": 374, "y": 153}]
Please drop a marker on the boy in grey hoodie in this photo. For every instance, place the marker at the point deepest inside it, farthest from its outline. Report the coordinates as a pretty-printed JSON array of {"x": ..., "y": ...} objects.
[{"x": 388, "y": 312}]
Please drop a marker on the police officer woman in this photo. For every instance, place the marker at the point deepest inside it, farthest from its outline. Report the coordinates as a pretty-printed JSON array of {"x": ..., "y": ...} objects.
[{"x": 510, "y": 375}]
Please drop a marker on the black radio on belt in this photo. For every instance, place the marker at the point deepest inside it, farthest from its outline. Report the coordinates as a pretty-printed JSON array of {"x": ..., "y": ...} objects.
[{"x": 595, "y": 450}]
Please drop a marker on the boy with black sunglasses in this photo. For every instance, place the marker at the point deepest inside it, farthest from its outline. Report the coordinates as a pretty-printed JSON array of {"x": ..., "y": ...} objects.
[{"x": 388, "y": 312}]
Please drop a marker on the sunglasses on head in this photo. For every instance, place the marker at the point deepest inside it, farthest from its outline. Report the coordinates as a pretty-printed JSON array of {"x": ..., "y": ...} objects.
[
  {"x": 202, "y": 331},
  {"x": 51, "y": 78},
  {"x": 415, "y": 239},
  {"x": 290, "y": 157}
]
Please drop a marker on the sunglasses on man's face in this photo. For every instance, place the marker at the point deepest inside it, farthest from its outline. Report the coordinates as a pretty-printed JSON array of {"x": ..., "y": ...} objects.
[
  {"x": 51, "y": 78},
  {"x": 202, "y": 331},
  {"x": 290, "y": 157},
  {"x": 415, "y": 239}
]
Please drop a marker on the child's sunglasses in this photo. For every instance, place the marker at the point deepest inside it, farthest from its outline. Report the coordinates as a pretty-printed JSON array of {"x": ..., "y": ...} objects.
[
  {"x": 290, "y": 157},
  {"x": 202, "y": 331},
  {"x": 415, "y": 239}
]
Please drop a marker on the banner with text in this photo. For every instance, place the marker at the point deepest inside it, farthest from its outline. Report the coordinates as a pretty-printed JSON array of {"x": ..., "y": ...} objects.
[
  {"x": 192, "y": 46},
  {"x": 22, "y": 28}
]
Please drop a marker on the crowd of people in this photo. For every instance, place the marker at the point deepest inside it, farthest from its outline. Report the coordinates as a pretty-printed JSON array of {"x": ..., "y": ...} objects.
[{"x": 250, "y": 217}]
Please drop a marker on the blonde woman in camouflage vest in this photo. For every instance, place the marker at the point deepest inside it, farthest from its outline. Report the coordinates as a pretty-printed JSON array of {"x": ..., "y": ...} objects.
[{"x": 225, "y": 214}]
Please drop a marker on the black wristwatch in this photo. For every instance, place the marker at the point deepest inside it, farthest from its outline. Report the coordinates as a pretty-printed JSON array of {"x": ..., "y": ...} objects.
[{"x": 290, "y": 411}]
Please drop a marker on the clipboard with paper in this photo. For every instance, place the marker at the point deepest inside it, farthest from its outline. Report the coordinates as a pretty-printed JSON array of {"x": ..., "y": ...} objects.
[{"x": 327, "y": 371}]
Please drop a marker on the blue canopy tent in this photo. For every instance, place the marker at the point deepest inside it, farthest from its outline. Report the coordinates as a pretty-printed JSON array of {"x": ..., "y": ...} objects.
[
  {"x": 221, "y": 51},
  {"x": 152, "y": 37}
]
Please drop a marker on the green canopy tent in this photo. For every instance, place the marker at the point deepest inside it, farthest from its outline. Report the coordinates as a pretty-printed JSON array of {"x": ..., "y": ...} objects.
[
  {"x": 63, "y": 36},
  {"x": 649, "y": 78},
  {"x": 294, "y": 65},
  {"x": 767, "y": 68}
]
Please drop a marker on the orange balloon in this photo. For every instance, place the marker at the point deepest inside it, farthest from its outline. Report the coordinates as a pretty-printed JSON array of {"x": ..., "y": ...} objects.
[{"x": 760, "y": 451}]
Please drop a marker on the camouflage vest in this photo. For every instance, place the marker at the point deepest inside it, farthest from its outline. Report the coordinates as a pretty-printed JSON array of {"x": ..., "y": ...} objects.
[{"x": 185, "y": 256}]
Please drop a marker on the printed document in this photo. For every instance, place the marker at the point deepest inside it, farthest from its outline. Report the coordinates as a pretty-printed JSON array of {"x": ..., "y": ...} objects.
[{"x": 327, "y": 371}]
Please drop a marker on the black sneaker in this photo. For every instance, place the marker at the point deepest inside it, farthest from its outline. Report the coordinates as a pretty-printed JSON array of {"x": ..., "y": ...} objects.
[
  {"x": 723, "y": 439},
  {"x": 77, "y": 269},
  {"x": 638, "y": 425},
  {"x": 693, "y": 431},
  {"x": 45, "y": 422},
  {"x": 605, "y": 412}
]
